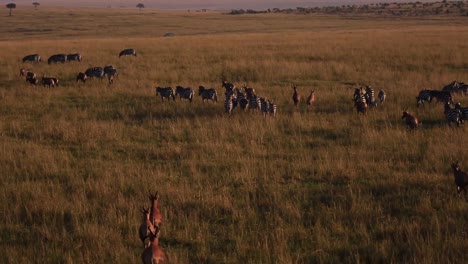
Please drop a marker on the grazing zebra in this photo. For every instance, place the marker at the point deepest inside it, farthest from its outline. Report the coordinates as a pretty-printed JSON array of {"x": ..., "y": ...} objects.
[
  {"x": 57, "y": 58},
  {"x": 370, "y": 97},
  {"x": 296, "y": 96},
  {"x": 360, "y": 101},
  {"x": 311, "y": 98},
  {"x": 74, "y": 57},
  {"x": 229, "y": 104},
  {"x": 81, "y": 77},
  {"x": 127, "y": 52},
  {"x": 254, "y": 102},
  {"x": 184, "y": 93},
  {"x": 424, "y": 96},
  {"x": 452, "y": 115},
  {"x": 111, "y": 73},
  {"x": 95, "y": 72},
  {"x": 49, "y": 81},
  {"x": 208, "y": 94},
  {"x": 241, "y": 99},
  {"x": 411, "y": 121},
  {"x": 264, "y": 106},
  {"x": 272, "y": 108},
  {"x": 249, "y": 91},
  {"x": 382, "y": 96},
  {"x": 165, "y": 92},
  {"x": 463, "y": 112},
  {"x": 32, "y": 58},
  {"x": 31, "y": 78},
  {"x": 229, "y": 87},
  {"x": 456, "y": 87}
]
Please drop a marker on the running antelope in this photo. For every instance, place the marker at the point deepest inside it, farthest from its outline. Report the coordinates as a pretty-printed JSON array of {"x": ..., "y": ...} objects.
[
  {"x": 155, "y": 214},
  {"x": 153, "y": 254},
  {"x": 296, "y": 96}
]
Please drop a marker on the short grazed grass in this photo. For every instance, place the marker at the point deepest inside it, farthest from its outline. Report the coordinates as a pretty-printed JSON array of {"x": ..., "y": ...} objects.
[{"x": 319, "y": 185}]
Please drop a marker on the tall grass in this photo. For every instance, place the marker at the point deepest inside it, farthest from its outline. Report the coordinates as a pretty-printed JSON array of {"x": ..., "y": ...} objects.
[{"x": 319, "y": 185}]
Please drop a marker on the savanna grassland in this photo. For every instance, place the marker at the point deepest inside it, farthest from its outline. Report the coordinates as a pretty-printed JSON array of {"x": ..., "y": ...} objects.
[{"x": 319, "y": 185}]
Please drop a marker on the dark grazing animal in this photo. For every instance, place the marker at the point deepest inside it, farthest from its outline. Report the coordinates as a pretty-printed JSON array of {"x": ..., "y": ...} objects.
[
  {"x": 32, "y": 58},
  {"x": 184, "y": 93},
  {"x": 382, "y": 96},
  {"x": 207, "y": 94},
  {"x": 456, "y": 87},
  {"x": 461, "y": 178},
  {"x": 74, "y": 57},
  {"x": 423, "y": 96},
  {"x": 296, "y": 96},
  {"x": 81, "y": 77},
  {"x": 95, "y": 72},
  {"x": 442, "y": 96},
  {"x": 165, "y": 92},
  {"x": 127, "y": 52},
  {"x": 411, "y": 121},
  {"x": 111, "y": 73},
  {"x": 47, "y": 81},
  {"x": 57, "y": 58},
  {"x": 31, "y": 78},
  {"x": 452, "y": 115}
]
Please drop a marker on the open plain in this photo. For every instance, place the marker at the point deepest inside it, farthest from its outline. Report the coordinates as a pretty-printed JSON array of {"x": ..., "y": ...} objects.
[{"x": 313, "y": 185}]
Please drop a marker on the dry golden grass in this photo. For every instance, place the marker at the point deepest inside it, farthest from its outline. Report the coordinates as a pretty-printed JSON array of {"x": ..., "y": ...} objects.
[{"x": 311, "y": 186}]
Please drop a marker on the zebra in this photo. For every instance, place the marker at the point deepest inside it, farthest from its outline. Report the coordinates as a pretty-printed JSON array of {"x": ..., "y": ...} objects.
[
  {"x": 424, "y": 96},
  {"x": 452, "y": 115},
  {"x": 272, "y": 108},
  {"x": 81, "y": 77},
  {"x": 360, "y": 100},
  {"x": 229, "y": 103},
  {"x": 207, "y": 94},
  {"x": 264, "y": 106},
  {"x": 74, "y": 57},
  {"x": 95, "y": 72},
  {"x": 165, "y": 92},
  {"x": 31, "y": 78},
  {"x": 456, "y": 87},
  {"x": 382, "y": 96},
  {"x": 51, "y": 82},
  {"x": 442, "y": 96},
  {"x": 32, "y": 58},
  {"x": 370, "y": 97},
  {"x": 296, "y": 96},
  {"x": 111, "y": 73},
  {"x": 241, "y": 99},
  {"x": 463, "y": 112},
  {"x": 57, "y": 58},
  {"x": 254, "y": 102},
  {"x": 229, "y": 87},
  {"x": 184, "y": 93},
  {"x": 127, "y": 52}
]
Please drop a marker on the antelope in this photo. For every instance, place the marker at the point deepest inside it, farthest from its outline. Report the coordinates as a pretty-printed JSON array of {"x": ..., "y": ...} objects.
[
  {"x": 461, "y": 178},
  {"x": 155, "y": 214},
  {"x": 153, "y": 254},
  {"x": 296, "y": 96},
  {"x": 411, "y": 120},
  {"x": 311, "y": 98},
  {"x": 146, "y": 226}
]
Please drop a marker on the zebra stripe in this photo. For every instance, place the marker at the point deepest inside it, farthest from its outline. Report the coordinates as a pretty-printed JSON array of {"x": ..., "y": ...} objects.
[
  {"x": 31, "y": 78},
  {"x": 463, "y": 112},
  {"x": 184, "y": 93},
  {"x": 57, "y": 58},
  {"x": 95, "y": 72},
  {"x": 370, "y": 97},
  {"x": 51, "y": 82},
  {"x": 229, "y": 104},
  {"x": 241, "y": 99},
  {"x": 165, "y": 92},
  {"x": 111, "y": 73},
  {"x": 452, "y": 115},
  {"x": 424, "y": 96},
  {"x": 360, "y": 100},
  {"x": 254, "y": 103},
  {"x": 207, "y": 94},
  {"x": 264, "y": 106},
  {"x": 272, "y": 107},
  {"x": 32, "y": 58},
  {"x": 74, "y": 57},
  {"x": 127, "y": 52}
]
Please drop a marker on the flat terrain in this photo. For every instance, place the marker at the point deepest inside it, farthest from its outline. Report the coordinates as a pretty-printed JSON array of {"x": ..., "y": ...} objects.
[{"x": 313, "y": 185}]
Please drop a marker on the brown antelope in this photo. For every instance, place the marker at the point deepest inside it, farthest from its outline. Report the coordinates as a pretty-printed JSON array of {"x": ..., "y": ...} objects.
[
  {"x": 153, "y": 254},
  {"x": 311, "y": 98},
  {"x": 155, "y": 214},
  {"x": 146, "y": 226},
  {"x": 296, "y": 96},
  {"x": 411, "y": 120},
  {"x": 461, "y": 178}
]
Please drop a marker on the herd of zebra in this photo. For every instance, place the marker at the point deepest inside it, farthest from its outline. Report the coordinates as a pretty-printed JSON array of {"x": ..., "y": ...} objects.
[
  {"x": 243, "y": 97},
  {"x": 365, "y": 98},
  {"x": 92, "y": 72}
]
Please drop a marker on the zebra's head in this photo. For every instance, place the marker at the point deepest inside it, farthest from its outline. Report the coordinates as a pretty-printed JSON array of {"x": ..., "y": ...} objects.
[{"x": 456, "y": 166}]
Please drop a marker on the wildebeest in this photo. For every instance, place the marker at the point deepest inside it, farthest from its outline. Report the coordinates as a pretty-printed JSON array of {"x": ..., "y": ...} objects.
[
  {"x": 57, "y": 58},
  {"x": 74, "y": 57},
  {"x": 32, "y": 58},
  {"x": 127, "y": 52}
]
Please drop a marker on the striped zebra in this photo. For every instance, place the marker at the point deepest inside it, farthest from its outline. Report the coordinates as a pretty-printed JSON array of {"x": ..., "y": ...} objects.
[
  {"x": 51, "y": 82},
  {"x": 382, "y": 96},
  {"x": 254, "y": 102},
  {"x": 74, "y": 57},
  {"x": 95, "y": 72},
  {"x": 32, "y": 58},
  {"x": 452, "y": 115},
  {"x": 229, "y": 103},
  {"x": 127, "y": 52},
  {"x": 264, "y": 106},
  {"x": 360, "y": 100},
  {"x": 370, "y": 97},
  {"x": 111, "y": 73},
  {"x": 424, "y": 96},
  {"x": 81, "y": 77},
  {"x": 184, "y": 93},
  {"x": 31, "y": 78},
  {"x": 463, "y": 112},
  {"x": 229, "y": 88},
  {"x": 272, "y": 108},
  {"x": 241, "y": 99},
  {"x": 165, "y": 92},
  {"x": 456, "y": 87},
  {"x": 57, "y": 58},
  {"x": 208, "y": 94}
]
